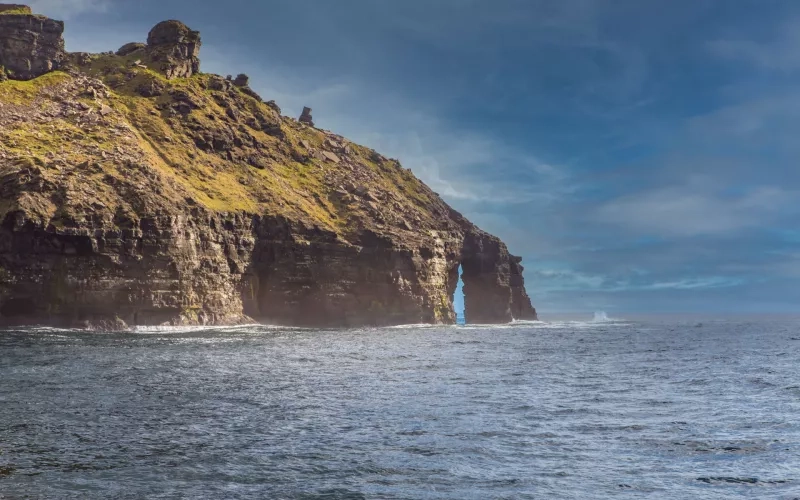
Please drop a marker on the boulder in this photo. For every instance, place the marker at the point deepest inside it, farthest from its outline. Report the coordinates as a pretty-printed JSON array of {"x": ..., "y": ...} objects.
[
  {"x": 242, "y": 80},
  {"x": 274, "y": 106},
  {"x": 175, "y": 48},
  {"x": 30, "y": 45},
  {"x": 130, "y": 48},
  {"x": 306, "y": 117},
  {"x": 331, "y": 157},
  {"x": 218, "y": 83}
]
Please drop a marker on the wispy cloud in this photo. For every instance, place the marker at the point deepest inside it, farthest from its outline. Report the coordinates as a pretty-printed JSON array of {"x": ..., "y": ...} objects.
[
  {"x": 685, "y": 211},
  {"x": 66, "y": 9},
  {"x": 560, "y": 280},
  {"x": 782, "y": 52},
  {"x": 692, "y": 283}
]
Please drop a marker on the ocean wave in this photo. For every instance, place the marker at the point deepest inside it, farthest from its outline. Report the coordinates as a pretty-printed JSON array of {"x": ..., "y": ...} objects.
[{"x": 170, "y": 329}]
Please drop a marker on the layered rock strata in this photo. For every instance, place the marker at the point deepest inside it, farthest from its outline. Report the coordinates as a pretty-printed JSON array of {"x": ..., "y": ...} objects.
[
  {"x": 136, "y": 191},
  {"x": 30, "y": 45}
]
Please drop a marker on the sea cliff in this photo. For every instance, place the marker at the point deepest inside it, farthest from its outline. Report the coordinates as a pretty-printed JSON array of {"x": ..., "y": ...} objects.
[{"x": 137, "y": 190}]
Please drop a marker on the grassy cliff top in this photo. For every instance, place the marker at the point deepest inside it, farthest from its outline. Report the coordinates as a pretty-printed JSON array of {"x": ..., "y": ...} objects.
[
  {"x": 113, "y": 140},
  {"x": 14, "y": 9}
]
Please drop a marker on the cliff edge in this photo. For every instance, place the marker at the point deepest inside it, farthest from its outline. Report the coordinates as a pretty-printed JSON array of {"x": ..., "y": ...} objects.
[{"x": 136, "y": 190}]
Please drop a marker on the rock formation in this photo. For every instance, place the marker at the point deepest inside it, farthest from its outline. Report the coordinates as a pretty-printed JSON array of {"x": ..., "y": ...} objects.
[
  {"x": 242, "y": 80},
  {"x": 306, "y": 117},
  {"x": 130, "y": 48},
  {"x": 30, "y": 45},
  {"x": 129, "y": 196},
  {"x": 175, "y": 48}
]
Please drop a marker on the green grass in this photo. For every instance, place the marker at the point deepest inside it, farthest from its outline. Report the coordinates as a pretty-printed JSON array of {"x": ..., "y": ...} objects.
[
  {"x": 15, "y": 10},
  {"x": 24, "y": 92},
  {"x": 173, "y": 168}
]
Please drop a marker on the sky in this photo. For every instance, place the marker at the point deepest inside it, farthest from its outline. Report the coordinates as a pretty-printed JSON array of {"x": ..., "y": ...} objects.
[{"x": 640, "y": 155}]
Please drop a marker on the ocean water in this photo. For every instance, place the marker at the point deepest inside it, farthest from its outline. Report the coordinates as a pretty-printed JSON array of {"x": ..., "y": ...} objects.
[{"x": 596, "y": 409}]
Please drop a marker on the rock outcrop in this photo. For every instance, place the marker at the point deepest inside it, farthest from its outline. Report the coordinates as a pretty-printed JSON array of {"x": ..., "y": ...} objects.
[
  {"x": 175, "y": 48},
  {"x": 242, "y": 80},
  {"x": 129, "y": 196},
  {"x": 30, "y": 45},
  {"x": 305, "y": 117},
  {"x": 130, "y": 48}
]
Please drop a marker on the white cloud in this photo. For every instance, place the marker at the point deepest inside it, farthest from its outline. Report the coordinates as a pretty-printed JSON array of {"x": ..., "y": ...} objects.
[
  {"x": 565, "y": 279},
  {"x": 561, "y": 280},
  {"x": 688, "y": 211},
  {"x": 693, "y": 283},
  {"x": 774, "y": 115}
]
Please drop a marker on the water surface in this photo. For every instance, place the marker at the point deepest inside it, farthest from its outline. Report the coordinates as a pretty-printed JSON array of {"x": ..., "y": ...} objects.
[{"x": 614, "y": 409}]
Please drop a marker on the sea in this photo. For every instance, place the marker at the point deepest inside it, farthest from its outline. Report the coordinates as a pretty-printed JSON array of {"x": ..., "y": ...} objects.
[{"x": 662, "y": 408}]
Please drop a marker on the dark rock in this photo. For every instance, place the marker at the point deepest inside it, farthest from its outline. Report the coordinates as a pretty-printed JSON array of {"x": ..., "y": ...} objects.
[
  {"x": 30, "y": 45},
  {"x": 242, "y": 80},
  {"x": 494, "y": 289},
  {"x": 175, "y": 48},
  {"x": 521, "y": 307},
  {"x": 130, "y": 48},
  {"x": 80, "y": 58},
  {"x": 151, "y": 88},
  {"x": 306, "y": 117},
  {"x": 274, "y": 106},
  {"x": 219, "y": 83},
  {"x": 232, "y": 113},
  {"x": 252, "y": 93}
]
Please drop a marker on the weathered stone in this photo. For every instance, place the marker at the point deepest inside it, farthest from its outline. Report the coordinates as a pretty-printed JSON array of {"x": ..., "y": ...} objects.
[
  {"x": 252, "y": 93},
  {"x": 331, "y": 157},
  {"x": 219, "y": 83},
  {"x": 130, "y": 48},
  {"x": 274, "y": 106},
  {"x": 242, "y": 80},
  {"x": 521, "y": 307},
  {"x": 486, "y": 276},
  {"x": 175, "y": 48},
  {"x": 306, "y": 117},
  {"x": 151, "y": 88},
  {"x": 30, "y": 45},
  {"x": 80, "y": 58}
]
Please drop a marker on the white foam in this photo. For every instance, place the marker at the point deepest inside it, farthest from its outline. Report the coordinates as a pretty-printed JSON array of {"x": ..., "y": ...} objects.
[{"x": 161, "y": 329}]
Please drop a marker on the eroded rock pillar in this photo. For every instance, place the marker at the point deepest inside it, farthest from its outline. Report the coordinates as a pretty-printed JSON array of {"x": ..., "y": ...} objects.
[{"x": 486, "y": 277}]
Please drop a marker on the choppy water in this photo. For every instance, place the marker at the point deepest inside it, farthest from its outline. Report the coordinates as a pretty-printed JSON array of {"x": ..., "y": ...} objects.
[{"x": 559, "y": 410}]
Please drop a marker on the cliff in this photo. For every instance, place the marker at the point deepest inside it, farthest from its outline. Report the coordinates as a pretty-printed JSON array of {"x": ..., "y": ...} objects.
[{"x": 136, "y": 190}]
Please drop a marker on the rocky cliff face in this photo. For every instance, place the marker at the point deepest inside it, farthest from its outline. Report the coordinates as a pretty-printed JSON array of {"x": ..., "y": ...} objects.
[
  {"x": 30, "y": 45},
  {"x": 136, "y": 191}
]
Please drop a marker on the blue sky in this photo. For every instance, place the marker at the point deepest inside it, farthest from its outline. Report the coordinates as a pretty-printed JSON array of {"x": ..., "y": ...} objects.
[{"x": 639, "y": 154}]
